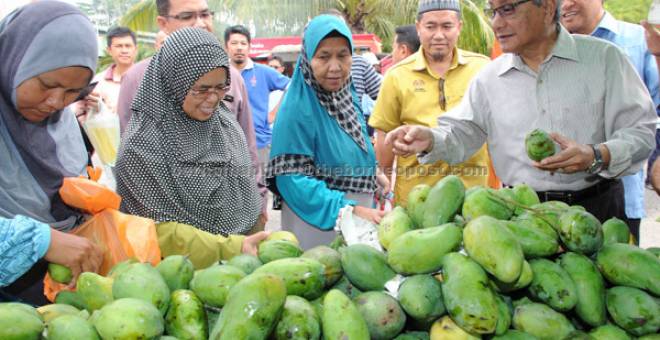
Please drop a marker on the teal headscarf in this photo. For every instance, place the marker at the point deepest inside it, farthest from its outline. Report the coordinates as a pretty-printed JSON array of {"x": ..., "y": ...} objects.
[{"x": 322, "y": 131}]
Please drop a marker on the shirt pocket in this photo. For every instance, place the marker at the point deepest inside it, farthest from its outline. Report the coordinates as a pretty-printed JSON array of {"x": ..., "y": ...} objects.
[{"x": 582, "y": 121}]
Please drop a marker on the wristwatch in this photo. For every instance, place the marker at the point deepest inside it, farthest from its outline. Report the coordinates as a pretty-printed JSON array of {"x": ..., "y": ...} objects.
[{"x": 597, "y": 165}]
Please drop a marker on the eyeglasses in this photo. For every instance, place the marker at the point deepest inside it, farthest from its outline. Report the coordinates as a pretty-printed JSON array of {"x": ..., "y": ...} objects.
[
  {"x": 192, "y": 16},
  {"x": 443, "y": 99},
  {"x": 205, "y": 92},
  {"x": 504, "y": 10}
]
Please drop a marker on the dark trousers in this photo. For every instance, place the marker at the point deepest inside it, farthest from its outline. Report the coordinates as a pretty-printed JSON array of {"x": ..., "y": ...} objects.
[
  {"x": 633, "y": 225},
  {"x": 604, "y": 205},
  {"x": 29, "y": 288}
]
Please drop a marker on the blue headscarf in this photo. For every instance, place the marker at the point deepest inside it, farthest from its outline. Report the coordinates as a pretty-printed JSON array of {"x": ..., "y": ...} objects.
[{"x": 38, "y": 38}]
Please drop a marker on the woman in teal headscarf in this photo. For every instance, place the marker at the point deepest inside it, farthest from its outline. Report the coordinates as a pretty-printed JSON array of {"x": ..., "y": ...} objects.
[{"x": 321, "y": 159}]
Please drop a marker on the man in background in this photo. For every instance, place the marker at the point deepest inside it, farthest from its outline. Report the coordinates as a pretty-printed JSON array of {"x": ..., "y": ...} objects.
[{"x": 589, "y": 17}]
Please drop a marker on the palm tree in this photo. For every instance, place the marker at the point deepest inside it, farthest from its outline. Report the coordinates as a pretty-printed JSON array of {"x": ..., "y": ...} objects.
[{"x": 269, "y": 18}]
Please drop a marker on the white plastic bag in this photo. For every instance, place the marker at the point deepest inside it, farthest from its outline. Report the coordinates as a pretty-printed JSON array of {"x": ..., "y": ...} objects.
[{"x": 102, "y": 128}]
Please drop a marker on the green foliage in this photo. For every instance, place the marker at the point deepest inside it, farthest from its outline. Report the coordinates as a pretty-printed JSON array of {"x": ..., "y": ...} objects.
[
  {"x": 629, "y": 10},
  {"x": 270, "y": 18}
]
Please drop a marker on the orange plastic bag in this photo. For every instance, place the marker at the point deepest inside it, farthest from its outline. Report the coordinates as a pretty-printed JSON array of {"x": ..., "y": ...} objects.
[{"x": 119, "y": 235}]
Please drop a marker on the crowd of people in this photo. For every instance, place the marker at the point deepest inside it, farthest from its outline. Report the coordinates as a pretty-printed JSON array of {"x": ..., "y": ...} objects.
[{"x": 207, "y": 133}]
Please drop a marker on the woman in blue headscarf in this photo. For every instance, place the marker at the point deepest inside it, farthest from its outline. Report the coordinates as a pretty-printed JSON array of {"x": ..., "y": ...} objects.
[
  {"x": 321, "y": 159},
  {"x": 49, "y": 52}
]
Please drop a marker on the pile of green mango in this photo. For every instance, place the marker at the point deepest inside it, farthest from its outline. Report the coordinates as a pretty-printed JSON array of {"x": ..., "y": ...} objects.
[{"x": 458, "y": 264}]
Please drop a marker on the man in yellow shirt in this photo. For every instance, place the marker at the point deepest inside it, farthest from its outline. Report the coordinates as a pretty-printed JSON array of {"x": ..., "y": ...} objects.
[{"x": 422, "y": 87}]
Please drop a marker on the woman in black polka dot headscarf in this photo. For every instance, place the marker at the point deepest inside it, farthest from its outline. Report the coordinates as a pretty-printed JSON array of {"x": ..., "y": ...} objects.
[{"x": 183, "y": 160}]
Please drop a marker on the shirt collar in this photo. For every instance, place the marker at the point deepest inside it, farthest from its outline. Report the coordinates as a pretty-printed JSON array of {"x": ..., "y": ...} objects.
[
  {"x": 110, "y": 73},
  {"x": 420, "y": 63},
  {"x": 564, "y": 48},
  {"x": 608, "y": 23},
  {"x": 249, "y": 64}
]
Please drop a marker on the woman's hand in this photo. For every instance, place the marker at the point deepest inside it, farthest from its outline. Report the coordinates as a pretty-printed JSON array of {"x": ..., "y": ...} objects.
[
  {"x": 251, "y": 243},
  {"x": 77, "y": 253},
  {"x": 368, "y": 214},
  {"x": 383, "y": 183}
]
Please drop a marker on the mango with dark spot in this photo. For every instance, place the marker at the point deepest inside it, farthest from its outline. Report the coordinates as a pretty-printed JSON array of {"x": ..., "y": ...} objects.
[
  {"x": 627, "y": 265},
  {"x": 552, "y": 285},
  {"x": 541, "y": 321},
  {"x": 539, "y": 145},
  {"x": 384, "y": 317},
  {"x": 633, "y": 310},
  {"x": 580, "y": 232},
  {"x": 467, "y": 295}
]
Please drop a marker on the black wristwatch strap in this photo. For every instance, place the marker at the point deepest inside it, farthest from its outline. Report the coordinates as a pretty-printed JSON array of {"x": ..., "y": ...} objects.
[{"x": 597, "y": 164}]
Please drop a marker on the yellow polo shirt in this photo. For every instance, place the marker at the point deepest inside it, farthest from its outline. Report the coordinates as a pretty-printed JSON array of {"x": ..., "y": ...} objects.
[{"x": 410, "y": 95}]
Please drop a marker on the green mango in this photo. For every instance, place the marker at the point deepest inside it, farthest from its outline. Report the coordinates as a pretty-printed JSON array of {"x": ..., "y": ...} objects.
[
  {"x": 341, "y": 319},
  {"x": 95, "y": 290},
  {"x": 421, "y": 297},
  {"x": 534, "y": 242},
  {"x": 467, "y": 296},
  {"x": 541, "y": 321},
  {"x": 177, "y": 271},
  {"x": 508, "y": 197},
  {"x": 121, "y": 267},
  {"x": 627, "y": 265},
  {"x": 590, "y": 288},
  {"x": 345, "y": 286},
  {"x": 142, "y": 281},
  {"x": 633, "y": 310},
  {"x": 539, "y": 145},
  {"x": 486, "y": 202},
  {"x": 53, "y": 311},
  {"x": 552, "y": 285},
  {"x": 615, "y": 231},
  {"x": 524, "y": 195},
  {"x": 70, "y": 298},
  {"x": 540, "y": 222},
  {"x": 420, "y": 251},
  {"x": 365, "y": 267},
  {"x": 330, "y": 259},
  {"x": 443, "y": 201},
  {"x": 578, "y": 335},
  {"x": 650, "y": 337},
  {"x": 19, "y": 322},
  {"x": 580, "y": 232},
  {"x": 382, "y": 313},
  {"x": 303, "y": 277},
  {"x": 505, "y": 315},
  {"x": 609, "y": 332},
  {"x": 186, "y": 317},
  {"x": 494, "y": 247},
  {"x": 278, "y": 249},
  {"x": 60, "y": 273},
  {"x": 393, "y": 225},
  {"x": 212, "y": 285},
  {"x": 245, "y": 262},
  {"x": 526, "y": 276},
  {"x": 413, "y": 336},
  {"x": 299, "y": 321},
  {"x": 128, "y": 318},
  {"x": 416, "y": 201},
  {"x": 252, "y": 310},
  {"x": 513, "y": 334},
  {"x": 71, "y": 327}
]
